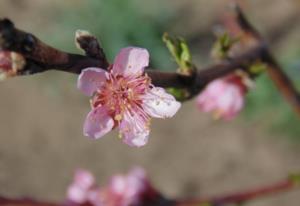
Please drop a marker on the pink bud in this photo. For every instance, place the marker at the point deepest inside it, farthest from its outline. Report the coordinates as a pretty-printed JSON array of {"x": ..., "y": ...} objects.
[
  {"x": 224, "y": 97},
  {"x": 10, "y": 64},
  {"x": 82, "y": 187}
]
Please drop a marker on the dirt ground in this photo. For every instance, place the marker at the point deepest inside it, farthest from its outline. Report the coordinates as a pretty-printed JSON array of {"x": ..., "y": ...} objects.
[{"x": 190, "y": 155}]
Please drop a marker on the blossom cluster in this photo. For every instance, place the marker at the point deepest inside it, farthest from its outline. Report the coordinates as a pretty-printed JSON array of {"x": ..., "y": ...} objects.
[{"x": 122, "y": 190}]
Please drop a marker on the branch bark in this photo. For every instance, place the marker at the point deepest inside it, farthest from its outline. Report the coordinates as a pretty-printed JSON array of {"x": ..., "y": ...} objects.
[
  {"x": 242, "y": 197},
  {"x": 41, "y": 57}
]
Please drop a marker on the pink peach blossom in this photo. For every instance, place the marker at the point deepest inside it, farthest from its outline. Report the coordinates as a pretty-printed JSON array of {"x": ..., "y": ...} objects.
[
  {"x": 124, "y": 97},
  {"x": 122, "y": 190},
  {"x": 126, "y": 190},
  {"x": 83, "y": 187},
  {"x": 224, "y": 96}
]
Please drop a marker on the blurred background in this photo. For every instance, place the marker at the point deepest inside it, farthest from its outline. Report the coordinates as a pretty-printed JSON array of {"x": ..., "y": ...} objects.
[{"x": 41, "y": 116}]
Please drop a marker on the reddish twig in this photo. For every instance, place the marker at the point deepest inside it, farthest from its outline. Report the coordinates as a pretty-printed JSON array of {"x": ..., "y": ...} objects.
[
  {"x": 41, "y": 57},
  {"x": 276, "y": 73},
  {"x": 242, "y": 197},
  {"x": 24, "y": 202},
  {"x": 156, "y": 199}
]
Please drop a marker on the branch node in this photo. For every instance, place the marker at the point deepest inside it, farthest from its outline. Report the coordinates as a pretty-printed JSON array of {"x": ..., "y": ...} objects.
[{"x": 90, "y": 45}]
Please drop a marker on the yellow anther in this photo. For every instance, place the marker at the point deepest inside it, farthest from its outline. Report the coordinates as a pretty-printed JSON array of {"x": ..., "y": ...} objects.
[{"x": 118, "y": 117}]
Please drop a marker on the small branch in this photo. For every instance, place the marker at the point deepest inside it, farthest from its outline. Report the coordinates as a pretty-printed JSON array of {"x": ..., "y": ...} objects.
[
  {"x": 282, "y": 81},
  {"x": 243, "y": 22},
  {"x": 242, "y": 197},
  {"x": 89, "y": 43},
  {"x": 276, "y": 73},
  {"x": 24, "y": 202},
  {"x": 41, "y": 57}
]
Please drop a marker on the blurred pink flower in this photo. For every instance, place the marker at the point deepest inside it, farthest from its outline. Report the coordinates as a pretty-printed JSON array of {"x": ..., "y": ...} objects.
[
  {"x": 122, "y": 190},
  {"x": 83, "y": 187},
  {"x": 10, "y": 63},
  {"x": 224, "y": 96},
  {"x": 126, "y": 190},
  {"x": 124, "y": 97}
]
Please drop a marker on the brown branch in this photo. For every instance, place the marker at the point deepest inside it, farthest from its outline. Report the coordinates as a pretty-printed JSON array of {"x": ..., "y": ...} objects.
[
  {"x": 89, "y": 43},
  {"x": 41, "y": 57},
  {"x": 24, "y": 202},
  {"x": 282, "y": 81},
  {"x": 275, "y": 71},
  {"x": 242, "y": 197},
  {"x": 243, "y": 22}
]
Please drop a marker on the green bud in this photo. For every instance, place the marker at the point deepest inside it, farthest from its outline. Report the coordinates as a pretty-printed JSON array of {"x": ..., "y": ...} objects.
[
  {"x": 295, "y": 178},
  {"x": 222, "y": 46},
  {"x": 180, "y": 52},
  {"x": 257, "y": 68},
  {"x": 179, "y": 94}
]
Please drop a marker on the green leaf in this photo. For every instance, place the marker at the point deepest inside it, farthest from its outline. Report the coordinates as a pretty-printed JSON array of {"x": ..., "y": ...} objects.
[
  {"x": 295, "y": 178},
  {"x": 180, "y": 52},
  {"x": 258, "y": 68},
  {"x": 222, "y": 46},
  {"x": 179, "y": 94}
]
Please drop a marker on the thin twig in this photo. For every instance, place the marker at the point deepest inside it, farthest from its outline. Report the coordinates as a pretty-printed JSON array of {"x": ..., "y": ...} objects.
[
  {"x": 41, "y": 57},
  {"x": 242, "y": 197},
  {"x": 24, "y": 202},
  {"x": 275, "y": 71}
]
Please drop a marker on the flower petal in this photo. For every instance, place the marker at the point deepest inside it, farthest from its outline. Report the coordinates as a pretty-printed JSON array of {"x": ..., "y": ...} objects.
[
  {"x": 90, "y": 80},
  {"x": 98, "y": 123},
  {"x": 158, "y": 103},
  {"x": 117, "y": 184},
  {"x": 76, "y": 194},
  {"x": 84, "y": 179},
  {"x": 231, "y": 102},
  {"x": 137, "y": 181},
  {"x": 135, "y": 130},
  {"x": 224, "y": 96},
  {"x": 131, "y": 61}
]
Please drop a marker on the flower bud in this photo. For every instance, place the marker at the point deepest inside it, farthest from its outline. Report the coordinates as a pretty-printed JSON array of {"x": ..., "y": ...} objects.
[{"x": 10, "y": 64}]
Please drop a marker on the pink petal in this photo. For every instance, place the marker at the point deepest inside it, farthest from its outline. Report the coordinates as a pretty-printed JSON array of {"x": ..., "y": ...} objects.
[
  {"x": 95, "y": 197},
  {"x": 158, "y": 103},
  {"x": 131, "y": 61},
  {"x": 84, "y": 179},
  {"x": 134, "y": 130},
  {"x": 231, "y": 102},
  {"x": 76, "y": 194},
  {"x": 98, "y": 123},
  {"x": 137, "y": 181},
  {"x": 206, "y": 102},
  {"x": 118, "y": 184},
  {"x": 225, "y": 96},
  {"x": 90, "y": 80}
]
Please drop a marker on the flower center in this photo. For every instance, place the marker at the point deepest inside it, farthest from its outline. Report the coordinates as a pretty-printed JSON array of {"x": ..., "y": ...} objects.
[{"x": 120, "y": 94}]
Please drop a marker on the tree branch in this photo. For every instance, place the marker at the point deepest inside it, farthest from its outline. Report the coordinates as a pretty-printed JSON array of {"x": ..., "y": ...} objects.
[
  {"x": 275, "y": 71},
  {"x": 40, "y": 57},
  {"x": 242, "y": 197},
  {"x": 24, "y": 202}
]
